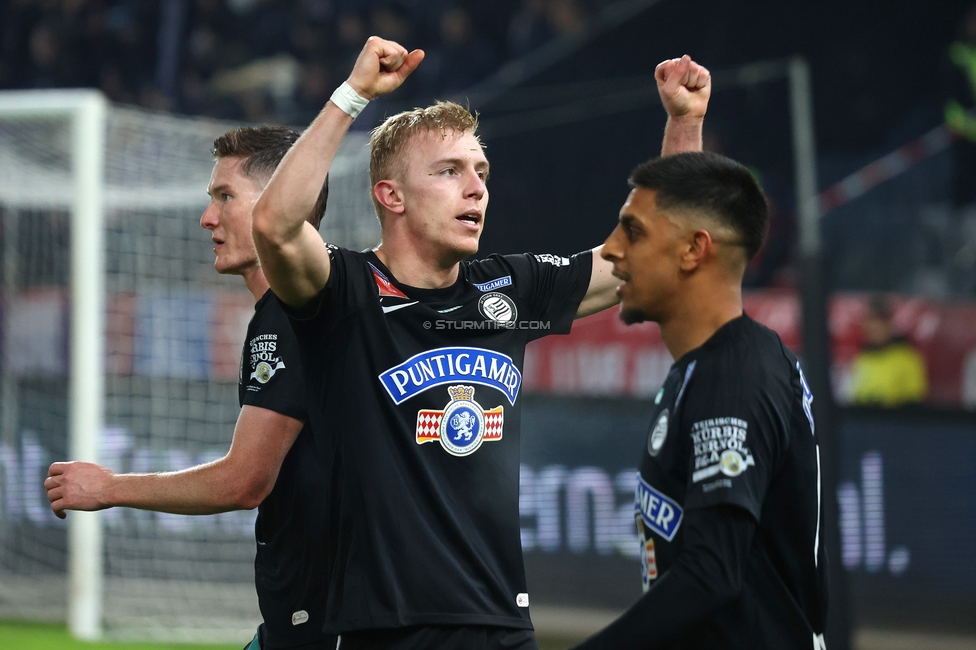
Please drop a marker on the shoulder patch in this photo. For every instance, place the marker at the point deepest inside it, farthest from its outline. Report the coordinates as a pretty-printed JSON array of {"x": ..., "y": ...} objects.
[
  {"x": 265, "y": 359},
  {"x": 555, "y": 260},
  {"x": 720, "y": 447}
]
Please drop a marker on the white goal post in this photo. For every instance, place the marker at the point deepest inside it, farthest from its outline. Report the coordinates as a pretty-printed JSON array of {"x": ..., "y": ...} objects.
[
  {"x": 86, "y": 110},
  {"x": 99, "y": 219}
]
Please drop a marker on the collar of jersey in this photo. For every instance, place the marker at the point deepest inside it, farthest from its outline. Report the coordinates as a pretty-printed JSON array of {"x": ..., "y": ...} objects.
[
  {"x": 263, "y": 299},
  {"x": 426, "y": 296},
  {"x": 716, "y": 340}
]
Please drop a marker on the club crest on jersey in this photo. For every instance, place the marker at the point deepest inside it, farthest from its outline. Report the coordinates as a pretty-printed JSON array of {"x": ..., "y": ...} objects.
[
  {"x": 655, "y": 440},
  {"x": 449, "y": 366},
  {"x": 657, "y": 511},
  {"x": 498, "y": 307},
  {"x": 494, "y": 284},
  {"x": 463, "y": 425}
]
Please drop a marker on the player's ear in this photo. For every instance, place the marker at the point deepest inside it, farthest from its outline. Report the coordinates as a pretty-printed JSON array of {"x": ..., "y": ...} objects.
[
  {"x": 695, "y": 249},
  {"x": 389, "y": 196}
]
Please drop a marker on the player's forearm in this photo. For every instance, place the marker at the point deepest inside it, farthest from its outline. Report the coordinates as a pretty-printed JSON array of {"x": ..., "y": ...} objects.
[
  {"x": 708, "y": 573},
  {"x": 290, "y": 196},
  {"x": 681, "y": 135},
  {"x": 656, "y": 620},
  {"x": 601, "y": 292},
  {"x": 201, "y": 490}
]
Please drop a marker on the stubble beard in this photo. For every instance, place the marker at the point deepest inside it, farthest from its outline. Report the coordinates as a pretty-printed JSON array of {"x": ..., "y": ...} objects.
[{"x": 632, "y": 315}]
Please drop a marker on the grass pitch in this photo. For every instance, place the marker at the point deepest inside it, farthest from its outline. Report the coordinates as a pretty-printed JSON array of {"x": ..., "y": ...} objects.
[
  {"x": 40, "y": 636},
  {"x": 16, "y": 635}
]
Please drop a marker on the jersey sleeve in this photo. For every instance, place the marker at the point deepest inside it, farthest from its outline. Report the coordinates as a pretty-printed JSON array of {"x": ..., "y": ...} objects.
[
  {"x": 350, "y": 285},
  {"x": 737, "y": 428},
  {"x": 272, "y": 375},
  {"x": 553, "y": 288}
]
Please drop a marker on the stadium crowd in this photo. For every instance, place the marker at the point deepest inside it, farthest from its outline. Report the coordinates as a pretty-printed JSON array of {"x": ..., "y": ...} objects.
[{"x": 259, "y": 60}]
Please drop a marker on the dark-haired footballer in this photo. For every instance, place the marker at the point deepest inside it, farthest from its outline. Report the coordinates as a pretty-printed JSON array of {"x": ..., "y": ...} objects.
[
  {"x": 728, "y": 502},
  {"x": 271, "y": 463}
]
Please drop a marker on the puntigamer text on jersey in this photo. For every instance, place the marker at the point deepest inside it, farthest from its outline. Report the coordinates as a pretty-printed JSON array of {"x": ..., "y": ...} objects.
[{"x": 446, "y": 365}]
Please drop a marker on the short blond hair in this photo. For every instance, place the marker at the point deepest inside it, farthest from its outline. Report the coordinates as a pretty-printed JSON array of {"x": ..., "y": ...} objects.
[{"x": 387, "y": 141}]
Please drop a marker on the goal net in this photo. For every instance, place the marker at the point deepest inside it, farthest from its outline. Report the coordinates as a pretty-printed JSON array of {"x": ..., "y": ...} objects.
[{"x": 168, "y": 336}]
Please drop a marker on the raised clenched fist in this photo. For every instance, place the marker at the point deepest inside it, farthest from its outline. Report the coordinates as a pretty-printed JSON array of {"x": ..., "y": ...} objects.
[
  {"x": 381, "y": 67},
  {"x": 684, "y": 86}
]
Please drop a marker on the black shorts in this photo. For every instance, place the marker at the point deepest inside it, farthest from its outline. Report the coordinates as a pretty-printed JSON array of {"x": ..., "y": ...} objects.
[
  {"x": 259, "y": 642},
  {"x": 439, "y": 637}
]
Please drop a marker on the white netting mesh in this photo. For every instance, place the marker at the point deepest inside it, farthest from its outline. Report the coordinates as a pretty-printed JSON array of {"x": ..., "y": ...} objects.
[{"x": 174, "y": 334}]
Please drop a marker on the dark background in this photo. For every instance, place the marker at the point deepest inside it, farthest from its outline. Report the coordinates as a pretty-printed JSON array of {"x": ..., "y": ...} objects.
[{"x": 877, "y": 72}]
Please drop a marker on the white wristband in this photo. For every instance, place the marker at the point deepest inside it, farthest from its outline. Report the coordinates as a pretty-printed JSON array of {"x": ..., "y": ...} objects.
[{"x": 348, "y": 100}]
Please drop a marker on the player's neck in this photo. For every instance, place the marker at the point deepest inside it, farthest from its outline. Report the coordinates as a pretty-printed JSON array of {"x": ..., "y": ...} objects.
[
  {"x": 256, "y": 283},
  {"x": 417, "y": 268},
  {"x": 698, "y": 316}
]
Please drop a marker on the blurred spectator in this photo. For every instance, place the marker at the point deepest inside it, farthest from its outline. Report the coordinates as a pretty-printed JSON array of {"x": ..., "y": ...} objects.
[
  {"x": 315, "y": 86},
  {"x": 461, "y": 59},
  {"x": 529, "y": 28},
  {"x": 390, "y": 23},
  {"x": 959, "y": 110},
  {"x": 350, "y": 36},
  {"x": 111, "y": 83},
  {"x": 540, "y": 20},
  {"x": 269, "y": 26},
  {"x": 566, "y": 17},
  {"x": 16, "y": 18},
  {"x": 308, "y": 40},
  {"x": 888, "y": 371},
  {"x": 115, "y": 44},
  {"x": 48, "y": 68}
]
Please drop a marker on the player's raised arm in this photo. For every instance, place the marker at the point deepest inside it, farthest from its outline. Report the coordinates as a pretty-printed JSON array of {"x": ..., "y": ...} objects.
[
  {"x": 292, "y": 256},
  {"x": 238, "y": 481},
  {"x": 684, "y": 87}
]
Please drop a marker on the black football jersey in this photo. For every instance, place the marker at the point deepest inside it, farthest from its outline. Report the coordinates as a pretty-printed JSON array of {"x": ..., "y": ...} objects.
[
  {"x": 414, "y": 402},
  {"x": 733, "y": 425},
  {"x": 290, "y": 568}
]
